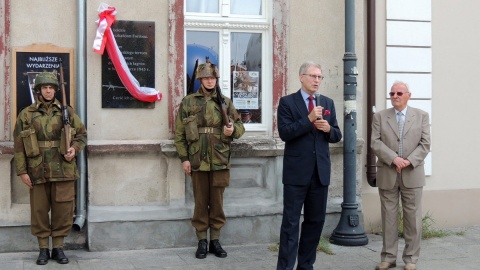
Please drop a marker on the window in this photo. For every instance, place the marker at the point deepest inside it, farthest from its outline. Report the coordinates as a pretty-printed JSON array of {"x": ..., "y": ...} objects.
[
  {"x": 234, "y": 7},
  {"x": 235, "y": 35}
]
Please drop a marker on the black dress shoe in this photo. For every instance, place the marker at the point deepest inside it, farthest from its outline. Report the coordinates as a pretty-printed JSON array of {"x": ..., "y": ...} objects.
[
  {"x": 59, "y": 256},
  {"x": 217, "y": 249},
  {"x": 43, "y": 256},
  {"x": 202, "y": 249}
]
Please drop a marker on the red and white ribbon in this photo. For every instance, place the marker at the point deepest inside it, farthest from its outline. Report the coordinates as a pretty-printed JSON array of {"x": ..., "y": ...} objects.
[{"x": 105, "y": 39}]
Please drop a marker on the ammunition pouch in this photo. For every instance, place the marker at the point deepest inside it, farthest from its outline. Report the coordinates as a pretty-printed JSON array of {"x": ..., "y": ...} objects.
[
  {"x": 30, "y": 142},
  {"x": 191, "y": 129}
]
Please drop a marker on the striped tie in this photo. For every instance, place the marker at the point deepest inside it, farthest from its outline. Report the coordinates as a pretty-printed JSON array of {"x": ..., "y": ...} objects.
[{"x": 401, "y": 123}]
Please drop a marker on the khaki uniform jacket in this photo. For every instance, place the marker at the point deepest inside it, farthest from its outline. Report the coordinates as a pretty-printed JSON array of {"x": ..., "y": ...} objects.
[
  {"x": 41, "y": 124},
  {"x": 206, "y": 151}
]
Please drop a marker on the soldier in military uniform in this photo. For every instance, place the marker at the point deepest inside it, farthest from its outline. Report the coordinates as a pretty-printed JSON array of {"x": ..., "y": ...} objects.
[
  {"x": 203, "y": 145},
  {"x": 47, "y": 167}
]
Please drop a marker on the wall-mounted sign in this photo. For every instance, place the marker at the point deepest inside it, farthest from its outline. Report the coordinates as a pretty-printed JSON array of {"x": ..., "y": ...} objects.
[
  {"x": 30, "y": 61},
  {"x": 136, "y": 41}
]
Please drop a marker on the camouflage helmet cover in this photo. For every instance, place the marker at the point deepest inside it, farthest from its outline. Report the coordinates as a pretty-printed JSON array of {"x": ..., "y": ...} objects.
[
  {"x": 206, "y": 70},
  {"x": 45, "y": 78}
]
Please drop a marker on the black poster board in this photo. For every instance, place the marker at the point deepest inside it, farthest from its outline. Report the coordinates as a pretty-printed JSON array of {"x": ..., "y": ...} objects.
[
  {"x": 136, "y": 42},
  {"x": 32, "y": 60}
]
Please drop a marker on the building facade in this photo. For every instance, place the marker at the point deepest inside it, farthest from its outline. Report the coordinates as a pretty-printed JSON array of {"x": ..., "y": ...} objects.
[{"x": 133, "y": 193}]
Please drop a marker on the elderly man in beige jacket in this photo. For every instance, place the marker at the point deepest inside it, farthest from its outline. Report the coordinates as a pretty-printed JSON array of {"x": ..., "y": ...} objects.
[{"x": 401, "y": 141}]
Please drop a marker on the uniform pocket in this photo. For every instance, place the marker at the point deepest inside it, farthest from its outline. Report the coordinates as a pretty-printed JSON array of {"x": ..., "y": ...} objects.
[
  {"x": 64, "y": 191},
  {"x": 191, "y": 128},
  {"x": 221, "y": 178},
  {"x": 194, "y": 155},
  {"x": 222, "y": 155},
  {"x": 30, "y": 142},
  {"x": 69, "y": 169},
  {"x": 35, "y": 168}
]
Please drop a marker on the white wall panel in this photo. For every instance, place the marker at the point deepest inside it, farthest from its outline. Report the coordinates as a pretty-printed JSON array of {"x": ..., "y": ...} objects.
[
  {"x": 417, "y": 10},
  {"x": 428, "y": 163},
  {"x": 409, "y": 33},
  {"x": 420, "y": 85},
  {"x": 425, "y": 105},
  {"x": 409, "y": 59}
]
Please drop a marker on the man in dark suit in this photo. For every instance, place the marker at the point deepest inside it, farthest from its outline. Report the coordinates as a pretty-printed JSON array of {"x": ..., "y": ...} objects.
[
  {"x": 307, "y": 125},
  {"x": 401, "y": 141}
]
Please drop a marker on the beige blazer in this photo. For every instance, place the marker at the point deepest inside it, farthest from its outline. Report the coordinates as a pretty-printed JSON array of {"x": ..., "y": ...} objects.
[{"x": 416, "y": 146}]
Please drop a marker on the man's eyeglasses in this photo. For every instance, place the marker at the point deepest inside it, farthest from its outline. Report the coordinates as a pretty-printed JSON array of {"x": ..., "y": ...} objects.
[
  {"x": 320, "y": 77},
  {"x": 398, "y": 93}
]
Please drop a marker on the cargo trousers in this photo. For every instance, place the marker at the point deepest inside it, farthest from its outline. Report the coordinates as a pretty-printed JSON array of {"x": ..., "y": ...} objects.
[
  {"x": 208, "y": 189},
  {"x": 57, "y": 198}
]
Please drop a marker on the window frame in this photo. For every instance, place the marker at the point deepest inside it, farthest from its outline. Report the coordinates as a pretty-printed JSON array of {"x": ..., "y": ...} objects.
[
  {"x": 240, "y": 24},
  {"x": 224, "y": 13}
]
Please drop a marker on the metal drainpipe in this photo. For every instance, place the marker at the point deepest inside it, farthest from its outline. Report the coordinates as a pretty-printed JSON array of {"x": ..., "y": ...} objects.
[
  {"x": 371, "y": 91},
  {"x": 80, "y": 60}
]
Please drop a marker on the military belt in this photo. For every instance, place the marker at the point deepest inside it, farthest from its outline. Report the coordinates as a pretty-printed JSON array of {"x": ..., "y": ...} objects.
[
  {"x": 48, "y": 144},
  {"x": 209, "y": 130}
]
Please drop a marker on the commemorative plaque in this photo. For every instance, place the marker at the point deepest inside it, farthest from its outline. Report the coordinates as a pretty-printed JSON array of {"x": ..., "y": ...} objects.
[{"x": 136, "y": 42}]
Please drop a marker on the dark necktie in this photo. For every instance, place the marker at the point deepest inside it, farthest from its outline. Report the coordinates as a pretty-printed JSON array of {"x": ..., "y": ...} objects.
[
  {"x": 310, "y": 103},
  {"x": 401, "y": 123}
]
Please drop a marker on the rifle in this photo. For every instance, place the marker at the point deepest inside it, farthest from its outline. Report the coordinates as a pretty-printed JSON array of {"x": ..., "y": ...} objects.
[
  {"x": 220, "y": 99},
  {"x": 223, "y": 106},
  {"x": 65, "y": 118},
  {"x": 192, "y": 79}
]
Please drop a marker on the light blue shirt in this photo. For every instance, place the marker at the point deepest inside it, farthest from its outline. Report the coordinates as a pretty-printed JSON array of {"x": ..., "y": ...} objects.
[
  {"x": 305, "y": 98},
  {"x": 404, "y": 113}
]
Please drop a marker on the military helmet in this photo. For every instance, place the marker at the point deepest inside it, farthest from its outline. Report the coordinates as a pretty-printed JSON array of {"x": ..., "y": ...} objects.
[
  {"x": 207, "y": 69},
  {"x": 45, "y": 78}
]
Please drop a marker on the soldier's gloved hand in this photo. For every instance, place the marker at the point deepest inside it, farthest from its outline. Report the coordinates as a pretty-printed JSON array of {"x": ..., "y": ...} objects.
[{"x": 228, "y": 131}]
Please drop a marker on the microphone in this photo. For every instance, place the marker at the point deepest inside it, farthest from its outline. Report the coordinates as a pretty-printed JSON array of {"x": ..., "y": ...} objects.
[{"x": 317, "y": 100}]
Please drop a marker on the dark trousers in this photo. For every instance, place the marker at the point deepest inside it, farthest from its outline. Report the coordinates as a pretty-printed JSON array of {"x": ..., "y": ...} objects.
[{"x": 313, "y": 198}]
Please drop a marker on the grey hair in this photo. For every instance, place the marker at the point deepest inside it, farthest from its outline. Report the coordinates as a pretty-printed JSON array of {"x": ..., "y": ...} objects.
[
  {"x": 402, "y": 83},
  {"x": 305, "y": 66}
]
